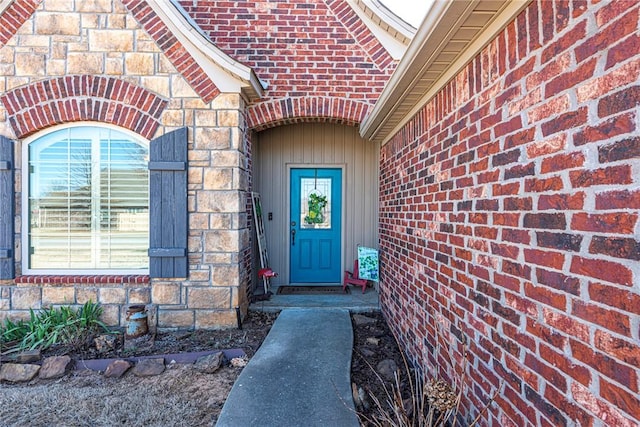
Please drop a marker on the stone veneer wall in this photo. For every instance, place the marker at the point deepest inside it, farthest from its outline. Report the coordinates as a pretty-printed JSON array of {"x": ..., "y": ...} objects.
[
  {"x": 102, "y": 39},
  {"x": 510, "y": 221}
]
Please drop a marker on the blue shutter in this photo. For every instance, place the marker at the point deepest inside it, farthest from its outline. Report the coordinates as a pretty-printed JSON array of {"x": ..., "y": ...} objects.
[
  {"x": 168, "y": 205},
  {"x": 7, "y": 202}
]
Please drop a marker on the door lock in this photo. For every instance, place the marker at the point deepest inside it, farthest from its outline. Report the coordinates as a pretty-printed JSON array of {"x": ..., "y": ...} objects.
[{"x": 293, "y": 237}]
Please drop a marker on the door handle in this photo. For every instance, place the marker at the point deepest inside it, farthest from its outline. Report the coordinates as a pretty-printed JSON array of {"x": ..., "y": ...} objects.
[{"x": 293, "y": 237}]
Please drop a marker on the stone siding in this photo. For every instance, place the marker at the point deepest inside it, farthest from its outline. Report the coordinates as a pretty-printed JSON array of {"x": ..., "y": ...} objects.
[{"x": 78, "y": 45}]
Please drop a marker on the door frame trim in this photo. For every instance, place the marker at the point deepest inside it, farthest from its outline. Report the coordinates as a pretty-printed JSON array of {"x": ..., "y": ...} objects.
[{"x": 288, "y": 167}]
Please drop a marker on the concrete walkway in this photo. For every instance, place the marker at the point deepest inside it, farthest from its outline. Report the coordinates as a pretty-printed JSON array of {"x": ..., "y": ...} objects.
[
  {"x": 300, "y": 376},
  {"x": 355, "y": 302}
]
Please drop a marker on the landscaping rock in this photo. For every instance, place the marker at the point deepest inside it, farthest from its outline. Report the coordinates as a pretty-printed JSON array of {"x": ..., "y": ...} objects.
[
  {"x": 117, "y": 368},
  {"x": 387, "y": 369},
  {"x": 361, "y": 320},
  {"x": 373, "y": 341},
  {"x": 149, "y": 367},
  {"x": 360, "y": 398},
  {"x": 209, "y": 364},
  {"x": 363, "y": 398},
  {"x": 17, "y": 372},
  {"x": 54, "y": 367},
  {"x": 240, "y": 362}
]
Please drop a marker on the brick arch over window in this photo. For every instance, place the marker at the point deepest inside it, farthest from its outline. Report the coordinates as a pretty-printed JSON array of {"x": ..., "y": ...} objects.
[
  {"x": 306, "y": 109},
  {"x": 78, "y": 98},
  {"x": 14, "y": 16}
]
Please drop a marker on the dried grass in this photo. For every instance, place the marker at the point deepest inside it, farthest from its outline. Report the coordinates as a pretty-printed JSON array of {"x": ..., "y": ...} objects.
[{"x": 180, "y": 396}]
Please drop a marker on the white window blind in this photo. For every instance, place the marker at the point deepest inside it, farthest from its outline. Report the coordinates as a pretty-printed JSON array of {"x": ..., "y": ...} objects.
[{"x": 88, "y": 201}]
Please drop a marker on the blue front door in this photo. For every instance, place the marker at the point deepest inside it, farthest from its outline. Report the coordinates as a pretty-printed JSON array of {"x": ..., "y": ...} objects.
[{"x": 315, "y": 225}]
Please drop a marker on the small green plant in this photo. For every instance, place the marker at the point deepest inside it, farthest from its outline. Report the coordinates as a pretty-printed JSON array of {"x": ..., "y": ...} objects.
[{"x": 52, "y": 326}]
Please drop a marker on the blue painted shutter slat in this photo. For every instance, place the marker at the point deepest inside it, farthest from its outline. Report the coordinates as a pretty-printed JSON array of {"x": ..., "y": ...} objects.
[
  {"x": 167, "y": 166},
  {"x": 7, "y": 267},
  {"x": 168, "y": 205}
]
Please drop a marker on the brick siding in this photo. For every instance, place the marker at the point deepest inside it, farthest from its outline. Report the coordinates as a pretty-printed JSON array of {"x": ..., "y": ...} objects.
[
  {"x": 320, "y": 61},
  {"x": 14, "y": 16},
  {"x": 306, "y": 109},
  {"x": 81, "y": 98},
  {"x": 509, "y": 214}
]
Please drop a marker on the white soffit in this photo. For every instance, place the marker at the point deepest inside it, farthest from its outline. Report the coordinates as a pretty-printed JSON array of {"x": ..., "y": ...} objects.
[
  {"x": 228, "y": 74},
  {"x": 451, "y": 35}
]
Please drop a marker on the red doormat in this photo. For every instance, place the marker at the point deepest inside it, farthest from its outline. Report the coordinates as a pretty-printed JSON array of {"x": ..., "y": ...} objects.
[{"x": 312, "y": 290}]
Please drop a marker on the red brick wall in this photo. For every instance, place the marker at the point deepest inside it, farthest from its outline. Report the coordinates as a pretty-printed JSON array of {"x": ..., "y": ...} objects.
[
  {"x": 14, "y": 16},
  {"x": 77, "y": 98},
  {"x": 302, "y": 49},
  {"x": 509, "y": 216}
]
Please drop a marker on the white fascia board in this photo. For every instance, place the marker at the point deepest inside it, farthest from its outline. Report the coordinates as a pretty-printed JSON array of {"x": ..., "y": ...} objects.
[
  {"x": 376, "y": 18},
  {"x": 4, "y": 4},
  {"x": 228, "y": 74},
  {"x": 390, "y": 18},
  {"x": 408, "y": 71}
]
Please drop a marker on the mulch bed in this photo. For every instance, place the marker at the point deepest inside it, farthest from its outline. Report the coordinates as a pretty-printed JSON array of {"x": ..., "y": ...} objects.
[{"x": 373, "y": 344}]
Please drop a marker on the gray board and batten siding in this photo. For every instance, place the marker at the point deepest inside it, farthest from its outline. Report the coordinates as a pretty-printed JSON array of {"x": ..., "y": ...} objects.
[{"x": 322, "y": 145}]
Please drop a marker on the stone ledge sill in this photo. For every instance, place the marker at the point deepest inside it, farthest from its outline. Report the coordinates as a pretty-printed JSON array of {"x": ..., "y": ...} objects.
[{"x": 88, "y": 279}]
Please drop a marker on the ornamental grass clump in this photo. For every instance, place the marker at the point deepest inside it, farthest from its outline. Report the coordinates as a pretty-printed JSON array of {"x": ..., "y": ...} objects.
[
  {"x": 440, "y": 395},
  {"x": 52, "y": 326},
  {"x": 431, "y": 400}
]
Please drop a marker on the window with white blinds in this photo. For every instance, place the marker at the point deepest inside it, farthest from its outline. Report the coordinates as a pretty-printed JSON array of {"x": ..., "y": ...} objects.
[{"x": 88, "y": 202}]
